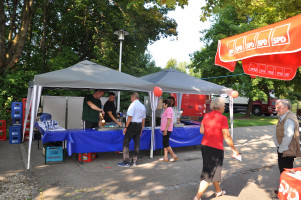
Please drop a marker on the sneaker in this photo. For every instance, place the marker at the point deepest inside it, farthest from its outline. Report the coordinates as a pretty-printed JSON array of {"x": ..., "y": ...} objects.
[
  {"x": 123, "y": 164},
  {"x": 134, "y": 164},
  {"x": 221, "y": 193}
]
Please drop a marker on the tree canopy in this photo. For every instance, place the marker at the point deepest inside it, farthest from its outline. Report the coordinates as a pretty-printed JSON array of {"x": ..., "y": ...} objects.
[
  {"x": 235, "y": 17},
  {"x": 38, "y": 36}
]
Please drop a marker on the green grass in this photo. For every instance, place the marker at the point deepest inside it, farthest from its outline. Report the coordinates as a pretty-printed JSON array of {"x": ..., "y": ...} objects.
[{"x": 239, "y": 120}]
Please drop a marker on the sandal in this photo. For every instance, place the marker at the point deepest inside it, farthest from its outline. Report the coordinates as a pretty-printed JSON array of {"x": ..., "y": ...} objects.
[
  {"x": 196, "y": 198},
  {"x": 173, "y": 159},
  {"x": 221, "y": 193},
  {"x": 162, "y": 159}
]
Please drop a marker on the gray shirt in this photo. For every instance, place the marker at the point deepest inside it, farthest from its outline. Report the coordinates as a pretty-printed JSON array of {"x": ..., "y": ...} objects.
[{"x": 289, "y": 130}]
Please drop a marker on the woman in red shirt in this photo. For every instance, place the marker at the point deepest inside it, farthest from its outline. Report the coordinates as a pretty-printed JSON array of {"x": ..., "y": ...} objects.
[{"x": 215, "y": 129}]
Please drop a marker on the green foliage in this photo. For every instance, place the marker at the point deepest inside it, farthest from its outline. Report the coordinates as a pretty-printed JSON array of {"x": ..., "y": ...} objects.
[
  {"x": 232, "y": 18},
  {"x": 181, "y": 66},
  {"x": 239, "y": 120},
  {"x": 63, "y": 33},
  {"x": 14, "y": 88}
]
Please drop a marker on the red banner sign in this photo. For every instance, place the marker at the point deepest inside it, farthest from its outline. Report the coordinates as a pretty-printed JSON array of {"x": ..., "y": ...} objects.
[{"x": 273, "y": 51}]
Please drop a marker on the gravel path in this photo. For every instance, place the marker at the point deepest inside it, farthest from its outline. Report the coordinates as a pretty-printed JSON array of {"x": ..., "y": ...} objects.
[{"x": 18, "y": 187}]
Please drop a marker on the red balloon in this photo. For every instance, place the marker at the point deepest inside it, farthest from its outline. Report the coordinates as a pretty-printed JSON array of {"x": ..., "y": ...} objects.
[
  {"x": 234, "y": 94},
  {"x": 157, "y": 91}
]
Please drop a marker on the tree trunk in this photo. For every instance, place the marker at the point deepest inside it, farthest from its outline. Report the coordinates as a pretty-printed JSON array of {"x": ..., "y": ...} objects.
[
  {"x": 11, "y": 57},
  {"x": 2, "y": 35},
  {"x": 249, "y": 109},
  {"x": 43, "y": 40}
]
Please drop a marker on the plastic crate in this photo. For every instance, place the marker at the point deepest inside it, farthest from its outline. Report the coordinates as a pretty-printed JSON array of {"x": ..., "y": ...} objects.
[
  {"x": 17, "y": 121},
  {"x": 53, "y": 154},
  {"x": 17, "y": 106},
  {"x": 16, "y": 114},
  {"x": 45, "y": 117},
  {"x": 15, "y": 139},
  {"x": 26, "y": 136},
  {"x": 2, "y": 135},
  {"x": 87, "y": 157},
  {"x": 15, "y": 130},
  {"x": 2, "y": 125},
  {"x": 24, "y": 100}
]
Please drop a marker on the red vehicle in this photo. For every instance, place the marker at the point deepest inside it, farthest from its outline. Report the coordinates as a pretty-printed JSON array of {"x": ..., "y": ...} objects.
[
  {"x": 240, "y": 104},
  {"x": 194, "y": 105},
  {"x": 264, "y": 107}
]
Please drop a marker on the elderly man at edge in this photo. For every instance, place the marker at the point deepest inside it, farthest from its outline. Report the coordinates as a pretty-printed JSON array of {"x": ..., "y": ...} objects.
[
  {"x": 215, "y": 129},
  {"x": 287, "y": 136},
  {"x": 136, "y": 114}
]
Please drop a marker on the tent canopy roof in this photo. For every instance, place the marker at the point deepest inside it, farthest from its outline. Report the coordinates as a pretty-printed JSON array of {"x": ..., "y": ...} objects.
[
  {"x": 171, "y": 80},
  {"x": 89, "y": 75}
]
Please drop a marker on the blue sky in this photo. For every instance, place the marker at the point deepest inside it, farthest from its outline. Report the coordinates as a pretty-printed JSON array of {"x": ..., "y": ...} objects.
[{"x": 188, "y": 39}]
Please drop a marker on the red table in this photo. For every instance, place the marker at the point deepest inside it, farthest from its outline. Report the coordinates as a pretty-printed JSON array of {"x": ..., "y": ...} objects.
[{"x": 290, "y": 185}]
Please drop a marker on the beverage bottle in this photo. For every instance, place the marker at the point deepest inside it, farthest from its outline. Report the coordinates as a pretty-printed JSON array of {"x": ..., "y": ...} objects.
[{"x": 103, "y": 122}]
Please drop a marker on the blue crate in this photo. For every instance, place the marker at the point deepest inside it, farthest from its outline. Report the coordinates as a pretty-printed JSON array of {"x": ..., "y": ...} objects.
[
  {"x": 15, "y": 139},
  {"x": 16, "y": 106},
  {"x": 16, "y": 121},
  {"x": 54, "y": 154},
  {"x": 16, "y": 114},
  {"x": 45, "y": 117},
  {"x": 15, "y": 130}
]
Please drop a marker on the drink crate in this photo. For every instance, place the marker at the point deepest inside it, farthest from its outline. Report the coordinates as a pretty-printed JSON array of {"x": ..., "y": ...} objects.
[
  {"x": 2, "y": 135},
  {"x": 26, "y": 136},
  {"x": 87, "y": 157},
  {"x": 53, "y": 154},
  {"x": 15, "y": 139},
  {"x": 45, "y": 117},
  {"x": 24, "y": 100},
  {"x": 15, "y": 130},
  {"x": 2, "y": 125},
  {"x": 16, "y": 121},
  {"x": 16, "y": 114},
  {"x": 2, "y": 130},
  {"x": 17, "y": 106}
]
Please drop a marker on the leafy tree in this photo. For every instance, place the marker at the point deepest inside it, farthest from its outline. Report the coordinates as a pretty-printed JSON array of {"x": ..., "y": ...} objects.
[
  {"x": 227, "y": 24},
  {"x": 38, "y": 36},
  {"x": 181, "y": 66},
  {"x": 258, "y": 14}
]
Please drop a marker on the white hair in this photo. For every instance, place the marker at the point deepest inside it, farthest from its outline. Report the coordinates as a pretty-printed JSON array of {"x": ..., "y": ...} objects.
[
  {"x": 217, "y": 103},
  {"x": 284, "y": 102}
]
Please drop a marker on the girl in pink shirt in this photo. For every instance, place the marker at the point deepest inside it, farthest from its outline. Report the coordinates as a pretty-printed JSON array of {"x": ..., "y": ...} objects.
[{"x": 167, "y": 128}]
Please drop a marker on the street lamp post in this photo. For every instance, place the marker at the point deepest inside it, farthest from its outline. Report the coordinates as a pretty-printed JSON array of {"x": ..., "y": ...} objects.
[{"x": 121, "y": 33}]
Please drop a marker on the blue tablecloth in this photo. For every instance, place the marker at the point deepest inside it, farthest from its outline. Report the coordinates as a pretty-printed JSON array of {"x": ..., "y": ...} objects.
[
  {"x": 89, "y": 140},
  {"x": 81, "y": 141},
  {"x": 180, "y": 137}
]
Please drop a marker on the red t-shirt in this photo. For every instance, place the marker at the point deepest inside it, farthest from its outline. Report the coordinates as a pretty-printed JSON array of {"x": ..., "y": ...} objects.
[{"x": 213, "y": 123}]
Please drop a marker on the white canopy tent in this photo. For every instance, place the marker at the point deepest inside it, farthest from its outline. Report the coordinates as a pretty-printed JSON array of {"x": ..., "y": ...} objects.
[
  {"x": 174, "y": 81},
  {"x": 89, "y": 75},
  {"x": 83, "y": 75}
]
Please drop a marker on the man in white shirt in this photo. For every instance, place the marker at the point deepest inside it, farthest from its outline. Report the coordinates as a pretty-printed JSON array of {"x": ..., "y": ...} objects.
[{"x": 136, "y": 114}]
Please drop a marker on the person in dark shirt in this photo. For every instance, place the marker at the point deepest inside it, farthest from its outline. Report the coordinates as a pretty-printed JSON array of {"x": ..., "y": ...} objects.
[
  {"x": 110, "y": 110},
  {"x": 91, "y": 109}
]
